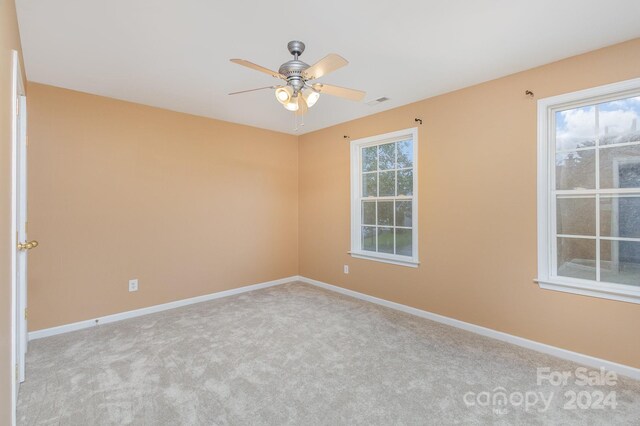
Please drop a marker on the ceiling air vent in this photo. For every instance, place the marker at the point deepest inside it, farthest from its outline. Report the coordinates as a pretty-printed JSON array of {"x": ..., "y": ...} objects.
[{"x": 377, "y": 101}]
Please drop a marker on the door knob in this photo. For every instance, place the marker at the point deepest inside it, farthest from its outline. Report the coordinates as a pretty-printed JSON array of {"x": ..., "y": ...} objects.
[{"x": 28, "y": 246}]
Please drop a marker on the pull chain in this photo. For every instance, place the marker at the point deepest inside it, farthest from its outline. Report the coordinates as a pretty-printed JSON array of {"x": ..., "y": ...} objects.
[{"x": 295, "y": 122}]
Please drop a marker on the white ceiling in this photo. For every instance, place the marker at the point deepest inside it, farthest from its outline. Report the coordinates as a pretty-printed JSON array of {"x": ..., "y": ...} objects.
[{"x": 175, "y": 54}]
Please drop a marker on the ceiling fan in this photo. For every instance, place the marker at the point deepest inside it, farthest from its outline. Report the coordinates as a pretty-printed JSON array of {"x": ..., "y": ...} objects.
[{"x": 298, "y": 94}]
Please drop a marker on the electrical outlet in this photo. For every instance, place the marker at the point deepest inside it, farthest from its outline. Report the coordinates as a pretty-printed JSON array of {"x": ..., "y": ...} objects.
[
  {"x": 346, "y": 269},
  {"x": 133, "y": 285}
]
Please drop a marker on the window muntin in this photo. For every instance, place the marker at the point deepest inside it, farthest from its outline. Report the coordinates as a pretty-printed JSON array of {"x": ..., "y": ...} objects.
[
  {"x": 383, "y": 197},
  {"x": 593, "y": 193}
]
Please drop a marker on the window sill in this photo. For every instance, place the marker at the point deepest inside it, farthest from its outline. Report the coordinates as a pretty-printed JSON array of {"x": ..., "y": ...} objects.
[
  {"x": 394, "y": 260},
  {"x": 620, "y": 292}
]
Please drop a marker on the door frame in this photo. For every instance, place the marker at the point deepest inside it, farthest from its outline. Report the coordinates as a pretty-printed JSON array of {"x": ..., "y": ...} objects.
[{"x": 18, "y": 292}]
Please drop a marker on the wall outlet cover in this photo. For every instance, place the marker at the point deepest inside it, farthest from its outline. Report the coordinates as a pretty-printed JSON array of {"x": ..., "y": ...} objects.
[{"x": 133, "y": 285}]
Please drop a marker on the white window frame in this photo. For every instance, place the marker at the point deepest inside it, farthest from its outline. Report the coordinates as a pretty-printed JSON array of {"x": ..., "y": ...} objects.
[
  {"x": 547, "y": 268},
  {"x": 356, "y": 198}
]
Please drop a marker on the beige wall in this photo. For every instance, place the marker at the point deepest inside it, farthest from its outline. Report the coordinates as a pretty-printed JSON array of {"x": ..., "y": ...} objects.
[
  {"x": 9, "y": 40},
  {"x": 187, "y": 205},
  {"x": 477, "y": 211}
]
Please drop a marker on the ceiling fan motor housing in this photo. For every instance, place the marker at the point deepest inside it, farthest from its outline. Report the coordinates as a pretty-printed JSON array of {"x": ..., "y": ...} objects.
[{"x": 292, "y": 70}]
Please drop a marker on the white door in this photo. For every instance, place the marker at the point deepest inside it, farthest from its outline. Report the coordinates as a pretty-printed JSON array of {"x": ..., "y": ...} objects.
[
  {"x": 19, "y": 224},
  {"x": 23, "y": 246}
]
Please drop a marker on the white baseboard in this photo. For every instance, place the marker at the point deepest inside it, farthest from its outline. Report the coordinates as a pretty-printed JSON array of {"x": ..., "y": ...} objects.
[
  {"x": 38, "y": 334},
  {"x": 579, "y": 358}
]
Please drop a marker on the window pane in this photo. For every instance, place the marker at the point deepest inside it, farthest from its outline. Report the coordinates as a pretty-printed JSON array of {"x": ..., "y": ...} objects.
[
  {"x": 386, "y": 192},
  {"x": 369, "y": 238},
  {"x": 575, "y": 128},
  {"x": 620, "y": 262},
  {"x": 576, "y": 215},
  {"x": 368, "y": 212},
  {"x": 405, "y": 154},
  {"x": 619, "y": 121},
  {"x": 387, "y": 156},
  {"x": 387, "y": 184},
  {"x": 403, "y": 213},
  {"x": 404, "y": 245},
  {"x": 576, "y": 170},
  {"x": 620, "y": 216},
  {"x": 370, "y": 159},
  {"x": 577, "y": 258},
  {"x": 385, "y": 213},
  {"x": 385, "y": 240},
  {"x": 620, "y": 167},
  {"x": 370, "y": 185},
  {"x": 405, "y": 182}
]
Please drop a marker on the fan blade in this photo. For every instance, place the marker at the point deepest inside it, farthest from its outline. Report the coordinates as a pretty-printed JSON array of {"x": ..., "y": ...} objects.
[
  {"x": 324, "y": 66},
  {"x": 253, "y": 90},
  {"x": 258, "y": 68},
  {"x": 352, "y": 94},
  {"x": 302, "y": 106}
]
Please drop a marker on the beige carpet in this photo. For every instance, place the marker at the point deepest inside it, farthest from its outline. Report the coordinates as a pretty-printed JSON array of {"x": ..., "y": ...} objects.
[{"x": 296, "y": 354}]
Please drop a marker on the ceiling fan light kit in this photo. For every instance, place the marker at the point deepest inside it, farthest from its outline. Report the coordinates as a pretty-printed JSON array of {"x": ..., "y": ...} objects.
[
  {"x": 298, "y": 94},
  {"x": 311, "y": 96},
  {"x": 293, "y": 104},
  {"x": 283, "y": 94}
]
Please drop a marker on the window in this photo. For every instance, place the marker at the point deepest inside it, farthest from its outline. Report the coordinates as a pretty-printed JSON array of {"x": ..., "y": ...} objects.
[
  {"x": 384, "y": 200},
  {"x": 589, "y": 192}
]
